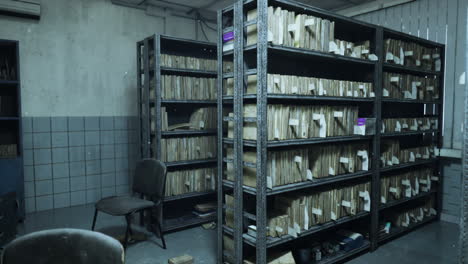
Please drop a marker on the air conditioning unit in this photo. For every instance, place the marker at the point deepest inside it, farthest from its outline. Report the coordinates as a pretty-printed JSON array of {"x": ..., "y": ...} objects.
[{"x": 21, "y": 8}]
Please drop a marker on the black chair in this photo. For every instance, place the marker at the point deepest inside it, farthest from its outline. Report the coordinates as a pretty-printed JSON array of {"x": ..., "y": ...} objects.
[
  {"x": 65, "y": 245},
  {"x": 149, "y": 182}
]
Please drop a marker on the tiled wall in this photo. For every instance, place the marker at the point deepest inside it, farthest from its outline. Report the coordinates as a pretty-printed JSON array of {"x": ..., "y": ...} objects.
[{"x": 72, "y": 161}]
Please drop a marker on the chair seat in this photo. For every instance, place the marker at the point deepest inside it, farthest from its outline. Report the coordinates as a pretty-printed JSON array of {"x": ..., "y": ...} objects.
[{"x": 122, "y": 205}]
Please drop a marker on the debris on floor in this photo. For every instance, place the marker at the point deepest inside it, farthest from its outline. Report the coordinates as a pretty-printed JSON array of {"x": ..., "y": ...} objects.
[{"x": 184, "y": 259}]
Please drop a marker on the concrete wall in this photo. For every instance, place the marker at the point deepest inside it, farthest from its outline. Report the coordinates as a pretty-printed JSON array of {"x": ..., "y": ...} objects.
[
  {"x": 443, "y": 21},
  {"x": 78, "y": 88}
]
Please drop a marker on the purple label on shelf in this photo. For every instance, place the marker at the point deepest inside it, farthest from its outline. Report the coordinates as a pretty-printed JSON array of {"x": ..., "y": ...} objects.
[
  {"x": 361, "y": 121},
  {"x": 228, "y": 36}
]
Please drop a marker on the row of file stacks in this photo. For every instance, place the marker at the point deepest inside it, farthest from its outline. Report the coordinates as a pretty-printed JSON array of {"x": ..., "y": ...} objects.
[
  {"x": 412, "y": 54},
  {"x": 305, "y": 164},
  {"x": 406, "y": 185},
  {"x": 185, "y": 62},
  {"x": 300, "y": 85},
  {"x": 392, "y": 154},
  {"x": 411, "y": 87},
  {"x": 409, "y": 124},
  {"x": 189, "y": 181},
  {"x": 295, "y": 122}
]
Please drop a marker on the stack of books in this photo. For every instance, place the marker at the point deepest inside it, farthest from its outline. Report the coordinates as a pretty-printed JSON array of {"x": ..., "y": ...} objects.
[{"x": 405, "y": 86}]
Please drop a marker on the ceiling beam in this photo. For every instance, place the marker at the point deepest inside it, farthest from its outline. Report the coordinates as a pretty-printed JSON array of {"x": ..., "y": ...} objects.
[{"x": 370, "y": 7}]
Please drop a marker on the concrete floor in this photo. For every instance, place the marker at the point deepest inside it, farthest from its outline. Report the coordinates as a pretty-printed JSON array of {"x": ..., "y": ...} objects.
[{"x": 433, "y": 244}]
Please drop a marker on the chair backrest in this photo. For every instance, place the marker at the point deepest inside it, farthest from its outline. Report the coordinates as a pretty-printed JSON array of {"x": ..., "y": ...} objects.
[
  {"x": 58, "y": 246},
  {"x": 150, "y": 178}
]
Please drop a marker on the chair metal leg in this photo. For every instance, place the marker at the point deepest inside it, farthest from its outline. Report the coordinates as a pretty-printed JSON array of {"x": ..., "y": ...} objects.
[
  {"x": 162, "y": 235},
  {"x": 94, "y": 219},
  {"x": 142, "y": 218},
  {"x": 127, "y": 218}
]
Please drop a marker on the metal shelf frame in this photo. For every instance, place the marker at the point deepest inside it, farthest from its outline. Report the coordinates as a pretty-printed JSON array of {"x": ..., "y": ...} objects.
[
  {"x": 150, "y": 142},
  {"x": 264, "y": 50}
]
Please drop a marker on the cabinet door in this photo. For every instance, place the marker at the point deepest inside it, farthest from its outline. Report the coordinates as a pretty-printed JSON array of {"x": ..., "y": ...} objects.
[{"x": 11, "y": 178}]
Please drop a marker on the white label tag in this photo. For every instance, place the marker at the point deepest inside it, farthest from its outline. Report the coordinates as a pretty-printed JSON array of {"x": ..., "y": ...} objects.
[
  {"x": 418, "y": 63},
  {"x": 349, "y": 93},
  {"x": 309, "y": 22},
  {"x": 426, "y": 56},
  {"x": 333, "y": 216},
  {"x": 409, "y": 53},
  {"x": 292, "y": 27},
  {"x": 293, "y": 122},
  {"x": 294, "y": 90},
  {"x": 309, "y": 175},
  {"x": 316, "y": 117},
  {"x": 408, "y": 192},
  {"x": 395, "y": 160},
  {"x": 393, "y": 190},
  {"x": 346, "y": 203},
  {"x": 373, "y": 57},
  {"x": 332, "y": 47},
  {"x": 430, "y": 88},
  {"x": 434, "y": 178},
  {"x": 383, "y": 200},
  {"x": 311, "y": 86},
  {"x": 372, "y": 94},
  {"x": 344, "y": 160},
  {"x": 398, "y": 126},
  {"x": 202, "y": 124},
  {"x": 389, "y": 56},
  {"x": 385, "y": 93},
  {"x": 323, "y": 127},
  {"x": 435, "y": 56},
  {"x": 298, "y": 159},
  {"x": 394, "y": 79},
  {"x": 331, "y": 171},
  {"x": 337, "y": 114},
  {"x": 269, "y": 182},
  {"x": 412, "y": 158},
  {"x": 316, "y": 211}
]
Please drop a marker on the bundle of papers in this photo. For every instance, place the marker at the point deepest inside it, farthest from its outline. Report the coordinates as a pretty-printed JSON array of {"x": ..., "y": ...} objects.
[
  {"x": 186, "y": 88},
  {"x": 301, "y": 121},
  {"x": 193, "y": 180},
  {"x": 412, "y": 55},
  {"x": 286, "y": 28},
  {"x": 391, "y": 154},
  {"x": 189, "y": 148},
  {"x": 409, "y": 124},
  {"x": 405, "y": 86},
  {"x": 192, "y": 63},
  {"x": 406, "y": 185}
]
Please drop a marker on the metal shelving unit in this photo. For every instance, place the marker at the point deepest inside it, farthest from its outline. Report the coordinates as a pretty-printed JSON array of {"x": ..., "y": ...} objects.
[
  {"x": 262, "y": 56},
  {"x": 150, "y": 68}
]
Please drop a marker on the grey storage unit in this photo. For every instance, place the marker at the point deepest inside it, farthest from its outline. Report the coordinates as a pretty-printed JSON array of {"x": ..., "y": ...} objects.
[
  {"x": 264, "y": 58},
  {"x": 177, "y": 208}
]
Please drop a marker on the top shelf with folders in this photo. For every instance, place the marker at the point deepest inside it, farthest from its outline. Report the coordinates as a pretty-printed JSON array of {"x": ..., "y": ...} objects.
[{"x": 177, "y": 97}]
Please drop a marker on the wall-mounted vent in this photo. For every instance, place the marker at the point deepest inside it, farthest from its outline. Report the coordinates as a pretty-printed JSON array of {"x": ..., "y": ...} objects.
[{"x": 21, "y": 8}]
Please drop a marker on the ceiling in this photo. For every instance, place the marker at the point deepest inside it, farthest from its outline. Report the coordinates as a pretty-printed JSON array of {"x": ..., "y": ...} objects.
[{"x": 214, "y": 5}]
